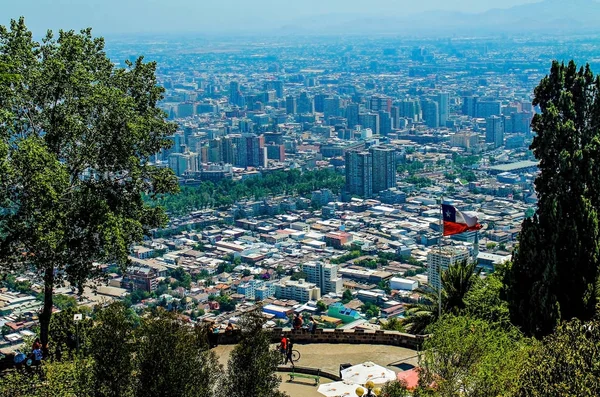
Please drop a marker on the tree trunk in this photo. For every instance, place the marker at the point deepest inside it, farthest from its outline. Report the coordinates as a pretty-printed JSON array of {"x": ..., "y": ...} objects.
[{"x": 47, "y": 310}]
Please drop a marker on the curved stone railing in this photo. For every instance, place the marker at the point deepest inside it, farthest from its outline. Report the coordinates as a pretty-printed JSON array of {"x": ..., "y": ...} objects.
[
  {"x": 353, "y": 336},
  {"x": 309, "y": 371}
]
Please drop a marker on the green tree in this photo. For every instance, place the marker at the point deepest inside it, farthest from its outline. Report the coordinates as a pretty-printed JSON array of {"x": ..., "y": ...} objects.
[
  {"x": 485, "y": 301},
  {"x": 173, "y": 359},
  {"x": 75, "y": 157},
  {"x": 252, "y": 363},
  {"x": 63, "y": 302},
  {"x": 457, "y": 282},
  {"x": 556, "y": 263},
  {"x": 112, "y": 366},
  {"x": 470, "y": 357},
  {"x": 566, "y": 364},
  {"x": 321, "y": 306},
  {"x": 347, "y": 296},
  {"x": 395, "y": 389}
]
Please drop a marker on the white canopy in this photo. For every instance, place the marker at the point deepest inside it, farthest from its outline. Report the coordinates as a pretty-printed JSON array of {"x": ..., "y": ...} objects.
[
  {"x": 362, "y": 373},
  {"x": 338, "y": 389}
]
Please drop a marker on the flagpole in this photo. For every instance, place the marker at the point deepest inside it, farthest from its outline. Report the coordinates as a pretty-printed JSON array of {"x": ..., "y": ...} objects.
[{"x": 440, "y": 257}]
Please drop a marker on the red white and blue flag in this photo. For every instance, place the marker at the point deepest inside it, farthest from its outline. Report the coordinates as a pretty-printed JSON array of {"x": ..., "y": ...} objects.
[{"x": 456, "y": 222}]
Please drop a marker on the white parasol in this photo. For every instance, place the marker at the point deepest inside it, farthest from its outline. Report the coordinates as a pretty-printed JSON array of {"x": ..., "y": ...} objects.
[
  {"x": 362, "y": 373},
  {"x": 338, "y": 389}
]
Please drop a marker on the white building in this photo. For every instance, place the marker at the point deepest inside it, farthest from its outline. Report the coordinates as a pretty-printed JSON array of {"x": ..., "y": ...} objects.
[
  {"x": 300, "y": 291},
  {"x": 324, "y": 275},
  {"x": 438, "y": 260},
  {"x": 403, "y": 284}
]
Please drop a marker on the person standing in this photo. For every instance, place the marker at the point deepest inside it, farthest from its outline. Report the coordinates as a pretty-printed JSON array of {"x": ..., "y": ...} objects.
[
  {"x": 289, "y": 351},
  {"x": 313, "y": 325},
  {"x": 297, "y": 322}
]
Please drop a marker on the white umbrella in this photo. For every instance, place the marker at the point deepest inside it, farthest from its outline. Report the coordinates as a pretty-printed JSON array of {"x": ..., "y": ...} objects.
[
  {"x": 338, "y": 389},
  {"x": 362, "y": 373}
]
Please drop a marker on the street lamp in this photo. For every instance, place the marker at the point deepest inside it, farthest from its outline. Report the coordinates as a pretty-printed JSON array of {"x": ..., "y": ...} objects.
[{"x": 371, "y": 390}]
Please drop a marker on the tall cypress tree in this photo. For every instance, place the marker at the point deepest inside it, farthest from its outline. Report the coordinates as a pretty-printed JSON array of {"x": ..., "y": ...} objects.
[{"x": 554, "y": 275}]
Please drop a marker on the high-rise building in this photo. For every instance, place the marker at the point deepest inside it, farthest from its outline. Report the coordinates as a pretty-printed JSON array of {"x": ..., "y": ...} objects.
[
  {"x": 431, "y": 114},
  {"x": 369, "y": 120},
  {"x": 249, "y": 150},
  {"x": 384, "y": 168},
  {"x": 380, "y": 102},
  {"x": 290, "y": 104},
  {"x": 469, "y": 106},
  {"x": 331, "y": 107},
  {"x": 395, "y": 115},
  {"x": 438, "y": 260},
  {"x": 494, "y": 131},
  {"x": 324, "y": 275},
  {"x": 181, "y": 163},
  {"x": 320, "y": 102},
  {"x": 359, "y": 173},
  {"x": 442, "y": 100},
  {"x": 385, "y": 123},
  {"x": 305, "y": 104},
  {"x": 410, "y": 108},
  {"x": 352, "y": 112},
  {"x": 486, "y": 109},
  {"x": 235, "y": 94}
]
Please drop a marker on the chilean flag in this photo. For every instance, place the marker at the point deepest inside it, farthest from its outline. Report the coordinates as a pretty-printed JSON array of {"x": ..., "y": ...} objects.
[{"x": 456, "y": 222}]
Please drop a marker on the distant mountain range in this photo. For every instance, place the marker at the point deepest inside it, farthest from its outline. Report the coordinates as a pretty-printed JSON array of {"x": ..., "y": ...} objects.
[{"x": 549, "y": 16}]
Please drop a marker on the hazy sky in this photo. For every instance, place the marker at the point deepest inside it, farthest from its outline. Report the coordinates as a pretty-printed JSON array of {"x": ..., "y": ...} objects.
[{"x": 125, "y": 16}]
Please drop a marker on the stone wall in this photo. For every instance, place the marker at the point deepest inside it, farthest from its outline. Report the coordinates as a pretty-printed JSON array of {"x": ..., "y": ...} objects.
[{"x": 359, "y": 337}]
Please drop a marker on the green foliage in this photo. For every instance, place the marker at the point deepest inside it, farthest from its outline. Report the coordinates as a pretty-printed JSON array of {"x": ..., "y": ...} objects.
[
  {"x": 470, "y": 357},
  {"x": 484, "y": 301},
  {"x": 368, "y": 263},
  {"x": 370, "y": 310},
  {"x": 393, "y": 324},
  {"x": 112, "y": 352},
  {"x": 385, "y": 285},
  {"x": 68, "y": 336},
  {"x": 226, "y": 192},
  {"x": 347, "y": 296},
  {"x": 173, "y": 359},
  {"x": 465, "y": 160},
  {"x": 75, "y": 158},
  {"x": 226, "y": 304},
  {"x": 419, "y": 181},
  {"x": 321, "y": 306},
  {"x": 395, "y": 389},
  {"x": 63, "y": 302},
  {"x": 252, "y": 363},
  {"x": 183, "y": 278},
  {"x": 566, "y": 364},
  {"x": 346, "y": 257},
  {"x": 556, "y": 264},
  {"x": 457, "y": 282},
  {"x": 490, "y": 246},
  {"x": 298, "y": 276}
]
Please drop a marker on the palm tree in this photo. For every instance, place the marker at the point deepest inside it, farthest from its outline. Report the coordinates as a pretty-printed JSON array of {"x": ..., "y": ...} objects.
[{"x": 457, "y": 281}]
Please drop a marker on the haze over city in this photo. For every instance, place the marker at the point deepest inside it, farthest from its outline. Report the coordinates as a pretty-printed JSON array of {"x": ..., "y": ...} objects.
[{"x": 229, "y": 16}]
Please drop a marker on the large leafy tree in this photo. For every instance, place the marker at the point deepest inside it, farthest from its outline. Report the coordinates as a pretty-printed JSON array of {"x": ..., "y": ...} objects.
[
  {"x": 172, "y": 359},
  {"x": 555, "y": 271},
  {"x": 566, "y": 364},
  {"x": 76, "y": 139},
  {"x": 252, "y": 364},
  {"x": 471, "y": 357}
]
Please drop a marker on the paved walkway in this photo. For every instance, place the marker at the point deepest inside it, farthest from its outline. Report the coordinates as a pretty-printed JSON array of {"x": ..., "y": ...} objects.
[{"x": 328, "y": 357}]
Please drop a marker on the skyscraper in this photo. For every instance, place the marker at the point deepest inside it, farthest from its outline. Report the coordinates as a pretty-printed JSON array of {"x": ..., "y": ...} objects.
[
  {"x": 385, "y": 123},
  {"x": 380, "y": 102},
  {"x": 384, "y": 167},
  {"x": 369, "y": 120},
  {"x": 431, "y": 114},
  {"x": 469, "y": 106},
  {"x": 305, "y": 104},
  {"x": 359, "y": 173},
  {"x": 352, "y": 111},
  {"x": 290, "y": 104},
  {"x": 442, "y": 100},
  {"x": 494, "y": 131},
  {"x": 331, "y": 107}
]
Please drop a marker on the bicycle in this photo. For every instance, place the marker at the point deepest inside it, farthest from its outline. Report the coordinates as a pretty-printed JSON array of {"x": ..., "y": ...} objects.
[{"x": 295, "y": 356}]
